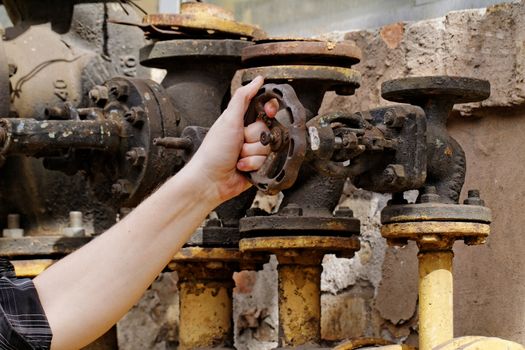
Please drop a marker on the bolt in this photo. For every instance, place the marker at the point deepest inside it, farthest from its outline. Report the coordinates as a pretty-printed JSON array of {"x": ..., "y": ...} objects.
[
  {"x": 474, "y": 198},
  {"x": 136, "y": 116},
  {"x": 99, "y": 95},
  {"x": 76, "y": 225},
  {"x": 13, "y": 229},
  {"x": 344, "y": 212},
  {"x": 136, "y": 156},
  {"x": 394, "y": 173},
  {"x": 392, "y": 120},
  {"x": 120, "y": 90},
  {"x": 292, "y": 209},
  {"x": 13, "y": 221},
  {"x": 121, "y": 187},
  {"x": 429, "y": 195}
]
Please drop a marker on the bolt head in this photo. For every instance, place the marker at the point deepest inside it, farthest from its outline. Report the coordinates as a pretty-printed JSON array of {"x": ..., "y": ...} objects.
[
  {"x": 135, "y": 116},
  {"x": 99, "y": 95}
]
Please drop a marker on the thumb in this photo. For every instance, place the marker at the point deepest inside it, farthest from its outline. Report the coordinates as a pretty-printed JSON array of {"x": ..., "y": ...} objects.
[{"x": 241, "y": 98}]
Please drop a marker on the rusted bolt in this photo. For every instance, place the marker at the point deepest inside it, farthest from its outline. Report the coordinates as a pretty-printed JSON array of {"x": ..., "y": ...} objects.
[
  {"x": 13, "y": 229},
  {"x": 135, "y": 116},
  {"x": 344, "y": 212},
  {"x": 136, "y": 156},
  {"x": 121, "y": 187},
  {"x": 392, "y": 120},
  {"x": 184, "y": 143},
  {"x": 430, "y": 195},
  {"x": 99, "y": 95},
  {"x": 474, "y": 198},
  {"x": 394, "y": 173},
  {"x": 475, "y": 240},
  {"x": 292, "y": 209},
  {"x": 120, "y": 90}
]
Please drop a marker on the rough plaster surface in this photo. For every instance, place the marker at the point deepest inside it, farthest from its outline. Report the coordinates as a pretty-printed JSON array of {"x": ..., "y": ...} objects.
[{"x": 375, "y": 293}]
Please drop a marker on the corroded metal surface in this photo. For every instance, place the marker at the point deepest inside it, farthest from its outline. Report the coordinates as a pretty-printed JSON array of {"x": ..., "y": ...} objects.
[
  {"x": 437, "y": 95},
  {"x": 299, "y": 304},
  {"x": 435, "y": 212},
  {"x": 205, "y": 292},
  {"x": 436, "y": 234},
  {"x": 417, "y": 90},
  {"x": 199, "y": 19},
  {"x": 340, "y": 54},
  {"x": 304, "y": 246},
  {"x": 330, "y": 77}
]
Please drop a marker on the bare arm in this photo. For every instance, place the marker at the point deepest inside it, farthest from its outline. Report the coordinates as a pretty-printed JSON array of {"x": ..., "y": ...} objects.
[{"x": 87, "y": 292}]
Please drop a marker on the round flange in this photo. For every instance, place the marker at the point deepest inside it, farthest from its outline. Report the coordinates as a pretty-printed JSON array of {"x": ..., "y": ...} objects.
[
  {"x": 456, "y": 89},
  {"x": 435, "y": 234},
  {"x": 265, "y": 226},
  {"x": 435, "y": 212},
  {"x": 335, "y": 78},
  {"x": 201, "y": 254},
  {"x": 341, "y": 246},
  {"x": 164, "y": 53},
  {"x": 323, "y": 53},
  {"x": 204, "y": 19}
]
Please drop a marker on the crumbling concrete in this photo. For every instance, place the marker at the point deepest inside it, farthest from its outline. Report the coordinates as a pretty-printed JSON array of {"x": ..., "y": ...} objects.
[{"x": 375, "y": 293}]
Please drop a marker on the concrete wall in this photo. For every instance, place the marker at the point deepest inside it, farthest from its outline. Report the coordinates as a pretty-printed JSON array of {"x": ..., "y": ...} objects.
[{"x": 375, "y": 294}]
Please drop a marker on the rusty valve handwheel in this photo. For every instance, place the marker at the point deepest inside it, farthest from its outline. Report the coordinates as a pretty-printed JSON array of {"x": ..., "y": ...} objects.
[{"x": 287, "y": 138}]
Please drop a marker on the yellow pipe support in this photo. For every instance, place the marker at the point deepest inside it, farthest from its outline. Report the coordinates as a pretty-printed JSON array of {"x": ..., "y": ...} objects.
[
  {"x": 205, "y": 314},
  {"x": 479, "y": 343},
  {"x": 372, "y": 344},
  {"x": 435, "y": 298},
  {"x": 299, "y": 304},
  {"x": 31, "y": 268}
]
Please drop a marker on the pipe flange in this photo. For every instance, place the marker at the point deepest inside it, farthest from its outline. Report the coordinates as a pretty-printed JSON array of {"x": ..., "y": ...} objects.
[
  {"x": 165, "y": 53},
  {"x": 201, "y": 254},
  {"x": 301, "y": 247},
  {"x": 458, "y": 89},
  {"x": 292, "y": 225},
  {"x": 435, "y": 212},
  {"x": 342, "y": 80},
  {"x": 199, "y": 19},
  {"x": 299, "y": 52},
  {"x": 435, "y": 235}
]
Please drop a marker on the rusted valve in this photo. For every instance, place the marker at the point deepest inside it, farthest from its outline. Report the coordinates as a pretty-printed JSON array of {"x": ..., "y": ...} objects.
[
  {"x": 287, "y": 138},
  {"x": 437, "y": 95}
]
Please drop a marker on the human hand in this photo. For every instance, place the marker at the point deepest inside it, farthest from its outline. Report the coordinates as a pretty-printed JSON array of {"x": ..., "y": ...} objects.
[{"x": 230, "y": 148}]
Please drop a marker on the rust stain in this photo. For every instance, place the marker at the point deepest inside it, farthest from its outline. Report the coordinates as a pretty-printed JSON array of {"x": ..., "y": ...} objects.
[
  {"x": 392, "y": 34},
  {"x": 448, "y": 151}
]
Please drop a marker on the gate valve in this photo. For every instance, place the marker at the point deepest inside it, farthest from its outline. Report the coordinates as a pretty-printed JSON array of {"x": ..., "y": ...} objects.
[{"x": 287, "y": 138}]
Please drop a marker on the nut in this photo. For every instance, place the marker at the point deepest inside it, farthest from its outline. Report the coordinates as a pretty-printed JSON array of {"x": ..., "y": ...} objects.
[
  {"x": 135, "y": 116},
  {"x": 99, "y": 95},
  {"x": 136, "y": 156}
]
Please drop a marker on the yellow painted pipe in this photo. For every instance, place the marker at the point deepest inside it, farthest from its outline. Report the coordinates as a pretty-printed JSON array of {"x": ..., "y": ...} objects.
[
  {"x": 479, "y": 343},
  {"x": 205, "y": 314},
  {"x": 299, "y": 304},
  {"x": 435, "y": 298}
]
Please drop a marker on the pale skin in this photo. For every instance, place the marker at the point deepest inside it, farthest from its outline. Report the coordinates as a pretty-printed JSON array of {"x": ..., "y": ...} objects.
[{"x": 87, "y": 292}]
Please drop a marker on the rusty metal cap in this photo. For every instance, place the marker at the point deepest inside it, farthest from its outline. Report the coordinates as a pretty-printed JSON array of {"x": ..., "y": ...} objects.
[
  {"x": 198, "y": 17},
  {"x": 302, "y": 52},
  {"x": 417, "y": 89}
]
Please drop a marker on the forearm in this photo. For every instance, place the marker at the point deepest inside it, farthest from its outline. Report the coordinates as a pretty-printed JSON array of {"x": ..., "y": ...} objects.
[{"x": 90, "y": 290}]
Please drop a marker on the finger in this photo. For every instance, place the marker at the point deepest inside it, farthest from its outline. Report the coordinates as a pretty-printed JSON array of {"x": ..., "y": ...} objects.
[
  {"x": 271, "y": 107},
  {"x": 254, "y": 149},
  {"x": 251, "y": 163},
  {"x": 242, "y": 97},
  {"x": 252, "y": 133}
]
